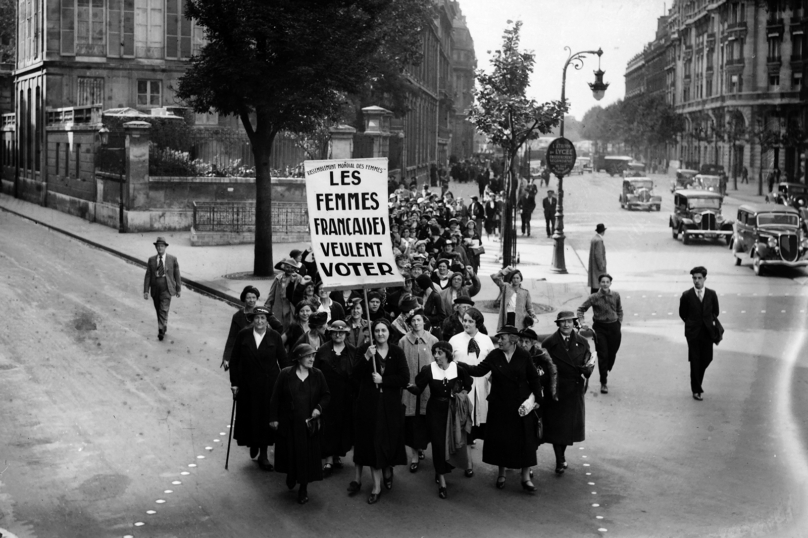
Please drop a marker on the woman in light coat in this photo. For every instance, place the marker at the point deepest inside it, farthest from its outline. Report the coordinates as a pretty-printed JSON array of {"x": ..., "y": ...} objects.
[{"x": 516, "y": 303}]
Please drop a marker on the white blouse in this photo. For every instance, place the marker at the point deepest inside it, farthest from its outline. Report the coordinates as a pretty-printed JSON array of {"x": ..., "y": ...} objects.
[{"x": 439, "y": 374}]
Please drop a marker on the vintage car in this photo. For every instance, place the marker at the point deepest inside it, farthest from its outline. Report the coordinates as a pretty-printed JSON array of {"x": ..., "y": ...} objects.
[
  {"x": 638, "y": 193},
  {"x": 635, "y": 169},
  {"x": 582, "y": 165},
  {"x": 684, "y": 179},
  {"x": 791, "y": 194},
  {"x": 769, "y": 235},
  {"x": 703, "y": 182},
  {"x": 697, "y": 214},
  {"x": 712, "y": 169},
  {"x": 613, "y": 164}
]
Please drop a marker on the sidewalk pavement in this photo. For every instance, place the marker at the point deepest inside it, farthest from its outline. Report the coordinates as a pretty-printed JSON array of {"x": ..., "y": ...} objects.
[{"x": 207, "y": 267}]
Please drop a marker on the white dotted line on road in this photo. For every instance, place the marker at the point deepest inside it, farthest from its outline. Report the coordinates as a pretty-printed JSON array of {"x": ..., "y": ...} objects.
[
  {"x": 588, "y": 466},
  {"x": 175, "y": 483}
]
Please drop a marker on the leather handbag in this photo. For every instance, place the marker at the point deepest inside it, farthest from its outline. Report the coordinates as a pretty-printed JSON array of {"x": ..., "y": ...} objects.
[{"x": 477, "y": 251}]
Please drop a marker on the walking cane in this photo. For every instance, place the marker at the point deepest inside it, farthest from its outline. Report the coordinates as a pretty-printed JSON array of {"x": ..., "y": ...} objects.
[{"x": 230, "y": 437}]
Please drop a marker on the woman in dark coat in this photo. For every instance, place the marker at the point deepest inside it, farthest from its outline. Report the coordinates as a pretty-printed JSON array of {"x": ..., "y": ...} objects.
[
  {"x": 379, "y": 419},
  {"x": 448, "y": 388},
  {"x": 337, "y": 360},
  {"x": 249, "y": 296},
  {"x": 298, "y": 400},
  {"x": 564, "y": 417},
  {"x": 510, "y": 439},
  {"x": 258, "y": 356}
]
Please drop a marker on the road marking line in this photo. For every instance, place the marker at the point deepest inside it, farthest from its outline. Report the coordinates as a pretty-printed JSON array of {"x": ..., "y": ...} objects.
[
  {"x": 169, "y": 491},
  {"x": 185, "y": 473},
  {"x": 160, "y": 501},
  {"x": 176, "y": 483},
  {"x": 596, "y": 505},
  {"x": 151, "y": 512}
]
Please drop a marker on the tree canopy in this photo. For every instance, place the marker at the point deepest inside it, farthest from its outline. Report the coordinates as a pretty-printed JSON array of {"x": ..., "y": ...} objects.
[{"x": 289, "y": 65}]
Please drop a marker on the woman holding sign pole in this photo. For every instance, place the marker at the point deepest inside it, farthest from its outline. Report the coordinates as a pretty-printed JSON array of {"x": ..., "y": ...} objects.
[{"x": 379, "y": 419}]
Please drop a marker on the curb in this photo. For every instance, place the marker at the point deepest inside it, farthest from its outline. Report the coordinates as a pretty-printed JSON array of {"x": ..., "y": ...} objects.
[{"x": 188, "y": 283}]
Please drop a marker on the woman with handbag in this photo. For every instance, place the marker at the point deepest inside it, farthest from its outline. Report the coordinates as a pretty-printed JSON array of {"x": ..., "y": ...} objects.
[
  {"x": 448, "y": 406},
  {"x": 511, "y": 439},
  {"x": 299, "y": 398}
]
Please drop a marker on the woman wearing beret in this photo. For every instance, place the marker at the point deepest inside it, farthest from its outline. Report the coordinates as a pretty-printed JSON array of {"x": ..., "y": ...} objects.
[
  {"x": 564, "y": 414},
  {"x": 257, "y": 359},
  {"x": 379, "y": 419},
  {"x": 510, "y": 439},
  {"x": 300, "y": 396},
  {"x": 448, "y": 408},
  {"x": 337, "y": 360},
  {"x": 516, "y": 304},
  {"x": 249, "y": 296},
  {"x": 417, "y": 345}
]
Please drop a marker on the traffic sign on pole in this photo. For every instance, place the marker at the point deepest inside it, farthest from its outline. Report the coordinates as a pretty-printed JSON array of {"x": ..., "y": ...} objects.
[{"x": 561, "y": 157}]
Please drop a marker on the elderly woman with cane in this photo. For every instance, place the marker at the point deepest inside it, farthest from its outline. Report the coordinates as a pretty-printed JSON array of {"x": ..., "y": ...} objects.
[
  {"x": 448, "y": 411},
  {"x": 298, "y": 400},
  {"x": 249, "y": 296},
  {"x": 258, "y": 356},
  {"x": 564, "y": 414},
  {"x": 382, "y": 375},
  {"x": 511, "y": 434}
]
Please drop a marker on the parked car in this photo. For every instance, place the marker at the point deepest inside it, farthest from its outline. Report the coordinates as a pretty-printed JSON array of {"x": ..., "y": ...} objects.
[
  {"x": 712, "y": 169},
  {"x": 612, "y": 164},
  {"x": 769, "y": 235},
  {"x": 684, "y": 179},
  {"x": 791, "y": 194},
  {"x": 638, "y": 193},
  {"x": 697, "y": 214}
]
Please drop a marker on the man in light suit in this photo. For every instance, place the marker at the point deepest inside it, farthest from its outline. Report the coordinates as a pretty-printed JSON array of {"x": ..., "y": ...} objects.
[
  {"x": 597, "y": 258},
  {"x": 698, "y": 308},
  {"x": 162, "y": 281}
]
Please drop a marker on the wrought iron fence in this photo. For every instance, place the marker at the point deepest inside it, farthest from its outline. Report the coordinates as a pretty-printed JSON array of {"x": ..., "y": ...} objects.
[{"x": 239, "y": 217}]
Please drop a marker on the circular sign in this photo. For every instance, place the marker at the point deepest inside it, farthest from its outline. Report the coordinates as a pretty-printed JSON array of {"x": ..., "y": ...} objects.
[{"x": 561, "y": 156}]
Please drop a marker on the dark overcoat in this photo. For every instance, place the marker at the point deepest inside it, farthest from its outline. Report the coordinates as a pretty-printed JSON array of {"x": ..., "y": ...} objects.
[
  {"x": 239, "y": 322},
  {"x": 379, "y": 416},
  {"x": 338, "y": 417},
  {"x": 565, "y": 420},
  {"x": 254, "y": 371},
  {"x": 510, "y": 440},
  {"x": 296, "y": 452}
]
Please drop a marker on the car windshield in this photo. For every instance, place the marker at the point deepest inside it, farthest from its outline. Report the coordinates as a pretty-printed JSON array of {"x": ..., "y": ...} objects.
[
  {"x": 704, "y": 203},
  {"x": 647, "y": 184},
  {"x": 777, "y": 219},
  {"x": 710, "y": 181}
]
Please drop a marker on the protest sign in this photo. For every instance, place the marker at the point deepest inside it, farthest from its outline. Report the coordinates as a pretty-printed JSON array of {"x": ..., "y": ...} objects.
[{"x": 350, "y": 224}]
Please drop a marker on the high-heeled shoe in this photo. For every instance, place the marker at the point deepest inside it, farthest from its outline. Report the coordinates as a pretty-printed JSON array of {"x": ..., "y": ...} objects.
[
  {"x": 354, "y": 487},
  {"x": 500, "y": 482},
  {"x": 561, "y": 467},
  {"x": 302, "y": 496},
  {"x": 388, "y": 481},
  {"x": 374, "y": 497},
  {"x": 527, "y": 485},
  {"x": 443, "y": 493}
]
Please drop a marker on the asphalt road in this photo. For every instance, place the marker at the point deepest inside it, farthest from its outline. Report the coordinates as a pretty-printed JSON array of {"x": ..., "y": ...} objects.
[{"x": 99, "y": 420}]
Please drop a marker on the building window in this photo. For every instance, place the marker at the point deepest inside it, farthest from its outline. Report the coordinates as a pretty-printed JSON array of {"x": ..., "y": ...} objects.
[
  {"x": 149, "y": 29},
  {"x": 121, "y": 28},
  {"x": 797, "y": 46},
  {"x": 774, "y": 48},
  {"x": 90, "y": 20},
  {"x": 90, "y": 91},
  {"x": 796, "y": 82},
  {"x": 149, "y": 92},
  {"x": 709, "y": 91},
  {"x": 774, "y": 83}
]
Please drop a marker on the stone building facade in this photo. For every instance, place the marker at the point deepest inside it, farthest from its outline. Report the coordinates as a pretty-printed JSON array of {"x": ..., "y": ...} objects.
[
  {"x": 735, "y": 70},
  {"x": 464, "y": 64}
]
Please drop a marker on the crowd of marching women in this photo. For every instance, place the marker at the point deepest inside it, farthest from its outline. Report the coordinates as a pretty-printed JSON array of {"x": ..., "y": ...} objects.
[{"x": 318, "y": 374}]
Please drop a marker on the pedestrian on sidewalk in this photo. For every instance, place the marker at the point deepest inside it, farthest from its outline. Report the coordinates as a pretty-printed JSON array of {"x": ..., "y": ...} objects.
[
  {"x": 745, "y": 175},
  {"x": 298, "y": 400},
  {"x": 162, "y": 281},
  {"x": 597, "y": 258},
  {"x": 515, "y": 304},
  {"x": 564, "y": 414},
  {"x": 549, "y": 204},
  {"x": 698, "y": 308},
  {"x": 527, "y": 204},
  {"x": 607, "y": 316},
  {"x": 258, "y": 356}
]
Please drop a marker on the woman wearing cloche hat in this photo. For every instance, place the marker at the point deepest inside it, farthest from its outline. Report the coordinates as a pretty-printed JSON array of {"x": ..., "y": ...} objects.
[{"x": 249, "y": 296}]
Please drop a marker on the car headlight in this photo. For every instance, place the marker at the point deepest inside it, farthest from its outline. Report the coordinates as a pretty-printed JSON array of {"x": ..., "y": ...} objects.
[
  {"x": 719, "y": 218},
  {"x": 697, "y": 218},
  {"x": 772, "y": 242}
]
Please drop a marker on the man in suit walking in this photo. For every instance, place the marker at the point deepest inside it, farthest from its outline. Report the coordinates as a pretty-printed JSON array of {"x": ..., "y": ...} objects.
[
  {"x": 698, "y": 308},
  {"x": 597, "y": 258},
  {"x": 162, "y": 281},
  {"x": 549, "y": 205}
]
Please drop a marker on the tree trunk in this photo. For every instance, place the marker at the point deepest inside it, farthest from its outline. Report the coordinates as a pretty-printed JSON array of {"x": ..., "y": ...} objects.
[
  {"x": 263, "y": 264},
  {"x": 509, "y": 220}
]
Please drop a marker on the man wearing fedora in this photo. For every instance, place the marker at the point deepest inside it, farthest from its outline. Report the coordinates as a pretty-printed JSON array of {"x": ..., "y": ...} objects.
[
  {"x": 278, "y": 301},
  {"x": 549, "y": 204},
  {"x": 698, "y": 308},
  {"x": 162, "y": 281},
  {"x": 564, "y": 414},
  {"x": 597, "y": 258}
]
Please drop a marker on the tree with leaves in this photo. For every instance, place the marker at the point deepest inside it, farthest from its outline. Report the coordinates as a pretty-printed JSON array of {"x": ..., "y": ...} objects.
[
  {"x": 288, "y": 66},
  {"x": 508, "y": 118},
  {"x": 8, "y": 28}
]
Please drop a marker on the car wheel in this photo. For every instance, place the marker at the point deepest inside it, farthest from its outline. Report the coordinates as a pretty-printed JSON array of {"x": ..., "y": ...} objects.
[
  {"x": 756, "y": 265},
  {"x": 685, "y": 238}
]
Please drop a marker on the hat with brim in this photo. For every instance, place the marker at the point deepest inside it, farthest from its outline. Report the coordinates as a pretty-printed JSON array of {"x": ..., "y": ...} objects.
[
  {"x": 529, "y": 333},
  {"x": 507, "y": 329},
  {"x": 249, "y": 289},
  {"x": 161, "y": 240},
  {"x": 566, "y": 315},
  {"x": 464, "y": 300},
  {"x": 410, "y": 304},
  {"x": 302, "y": 351},
  {"x": 600, "y": 228},
  {"x": 259, "y": 310},
  {"x": 338, "y": 326},
  {"x": 287, "y": 261}
]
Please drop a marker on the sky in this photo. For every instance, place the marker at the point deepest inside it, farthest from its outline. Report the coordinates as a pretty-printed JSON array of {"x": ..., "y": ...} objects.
[{"x": 620, "y": 27}]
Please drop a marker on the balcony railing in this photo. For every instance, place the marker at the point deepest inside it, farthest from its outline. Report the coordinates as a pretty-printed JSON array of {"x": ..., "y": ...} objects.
[
  {"x": 9, "y": 121},
  {"x": 74, "y": 114},
  {"x": 735, "y": 62},
  {"x": 736, "y": 27},
  {"x": 774, "y": 24},
  {"x": 774, "y": 60}
]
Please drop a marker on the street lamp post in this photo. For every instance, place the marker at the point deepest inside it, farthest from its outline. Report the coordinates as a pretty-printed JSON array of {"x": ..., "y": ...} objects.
[{"x": 598, "y": 90}]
